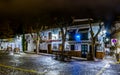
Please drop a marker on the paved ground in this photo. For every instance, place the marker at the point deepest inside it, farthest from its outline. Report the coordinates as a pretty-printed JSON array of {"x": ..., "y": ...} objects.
[{"x": 32, "y": 64}]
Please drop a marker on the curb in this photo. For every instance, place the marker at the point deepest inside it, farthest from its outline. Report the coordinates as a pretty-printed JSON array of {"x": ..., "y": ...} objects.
[{"x": 29, "y": 52}]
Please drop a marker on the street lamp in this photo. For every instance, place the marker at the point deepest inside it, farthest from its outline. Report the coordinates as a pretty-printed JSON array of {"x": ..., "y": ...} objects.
[{"x": 107, "y": 39}]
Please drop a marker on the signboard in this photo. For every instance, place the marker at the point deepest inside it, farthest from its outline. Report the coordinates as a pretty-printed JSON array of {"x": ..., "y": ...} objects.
[{"x": 114, "y": 41}]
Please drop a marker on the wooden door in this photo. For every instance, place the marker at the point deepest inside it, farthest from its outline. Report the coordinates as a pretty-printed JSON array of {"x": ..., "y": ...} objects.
[{"x": 49, "y": 48}]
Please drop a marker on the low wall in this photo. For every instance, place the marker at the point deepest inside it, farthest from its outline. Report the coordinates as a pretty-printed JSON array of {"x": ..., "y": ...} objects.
[
  {"x": 76, "y": 53},
  {"x": 43, "y": 51},
  {"x": 100, "y": 55}
]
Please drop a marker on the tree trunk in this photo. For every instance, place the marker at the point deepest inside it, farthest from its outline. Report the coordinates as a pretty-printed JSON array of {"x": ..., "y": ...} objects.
[
  {"x": 93, "y": 51},
  {"x": 91, "y": 54},
  {"x": 63, "y": 44},
  {"x": 37, "y": 44}
]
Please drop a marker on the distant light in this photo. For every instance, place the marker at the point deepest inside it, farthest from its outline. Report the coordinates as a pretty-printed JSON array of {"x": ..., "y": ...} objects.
[
  {"x": 100, "y": 33},
  {"x": 107, "y": 39},
  {"x": 78, "y": 36},
  {"x": 104, "y": 31}
]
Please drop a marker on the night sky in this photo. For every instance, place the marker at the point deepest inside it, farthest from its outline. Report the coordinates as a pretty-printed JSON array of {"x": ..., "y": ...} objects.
[
  {"x": 74, "y": 7},
  {"x": 17, "y": 9}
]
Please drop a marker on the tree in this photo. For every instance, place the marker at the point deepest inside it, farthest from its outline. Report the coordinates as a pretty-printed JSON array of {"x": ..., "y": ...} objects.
[
  {"x": 91, "y": 55},
  {"x": 38, "y": 38},
  {"x": 63, "y": 22},
  {"x": 39, "y": 24}
]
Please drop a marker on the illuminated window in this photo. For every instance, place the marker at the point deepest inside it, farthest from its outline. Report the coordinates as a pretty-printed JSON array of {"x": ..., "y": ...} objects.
[
  {"x": 83, "y": 33},
  {"x": 77, "y": 37}
]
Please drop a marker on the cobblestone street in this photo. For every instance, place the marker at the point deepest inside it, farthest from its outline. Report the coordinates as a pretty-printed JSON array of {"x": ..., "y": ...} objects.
[{"x": 32, "y": 64}]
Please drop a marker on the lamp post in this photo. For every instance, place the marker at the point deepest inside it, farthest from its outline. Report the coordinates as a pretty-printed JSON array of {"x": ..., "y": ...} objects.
[{"x": 114, "y": 41}]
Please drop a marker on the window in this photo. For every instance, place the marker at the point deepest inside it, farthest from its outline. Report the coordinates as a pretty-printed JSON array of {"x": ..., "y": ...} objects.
[
  {"x": 84, "y": 36},
  {"x": 55, "y": 46},
  {"x": 83, "y": 33},
  {"x": 71, "y": 34},
  {"x": 72, "y": 47}
]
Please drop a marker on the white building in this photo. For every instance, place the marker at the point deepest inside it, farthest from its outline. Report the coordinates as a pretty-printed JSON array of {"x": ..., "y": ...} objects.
[
  {"x": 52, "y": 40},
  {"x": 11, "y": 42},
  {"x": 78, "y": 40}
]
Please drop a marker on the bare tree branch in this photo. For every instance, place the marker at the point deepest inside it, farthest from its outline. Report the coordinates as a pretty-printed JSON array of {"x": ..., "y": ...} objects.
[
  {"x": 41, "y": 28},
  {"x": 31, "y": 31},
  {"x": 91, "y": 30},
  {"x": 62, "y": 30},
  {"x": 65, "y": 31},
  {"x": 31, "y": 35},
  {"x": 100, "y": 27},
  {"x": 40, "y": 31}
]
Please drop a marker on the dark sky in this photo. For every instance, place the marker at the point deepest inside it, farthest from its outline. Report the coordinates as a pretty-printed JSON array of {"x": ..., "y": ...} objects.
[
  {"x": 77, "y": 7},
  {"x": 82, "y": 8}
]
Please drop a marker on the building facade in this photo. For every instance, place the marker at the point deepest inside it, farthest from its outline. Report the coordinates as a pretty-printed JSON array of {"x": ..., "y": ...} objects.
[
  {"x": 77, "y": 40},
  {"x": 12, "y": 43}
]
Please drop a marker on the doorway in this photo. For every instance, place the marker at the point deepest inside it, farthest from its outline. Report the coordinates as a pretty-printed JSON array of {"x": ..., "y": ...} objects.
[
  {"x": 84, "y": 49},
  {"x": 49, "y": 49}
]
